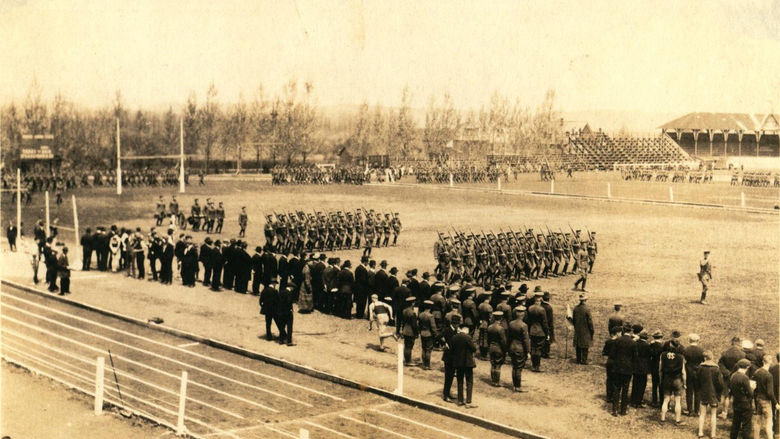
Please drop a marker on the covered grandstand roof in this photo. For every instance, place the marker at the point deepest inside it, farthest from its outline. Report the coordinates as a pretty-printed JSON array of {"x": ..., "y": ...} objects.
[{"x": 746, "y": 122}]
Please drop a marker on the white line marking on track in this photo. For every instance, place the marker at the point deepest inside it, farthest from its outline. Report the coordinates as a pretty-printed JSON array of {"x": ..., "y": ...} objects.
[
  {"x": 154, "y": 354},
  {"x": 288, "y": 434},
  {"x": 422, "y": 424},
  {"x": 376, "y": 426},
  {"x": 195, "y": 354},
  {"x": 162, "y": 372},
  {"x": 189, "y": 345},
  {"x": 330, "y": 430}
]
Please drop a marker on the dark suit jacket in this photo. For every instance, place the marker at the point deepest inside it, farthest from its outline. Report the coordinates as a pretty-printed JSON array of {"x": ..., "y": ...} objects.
[
  {"x": 361, "y": 280},
  {"x": 583, "y": 326},
  {"x": 623, "y": 355},
  {"x": 463, "y": 348},
  {"x": 380, "y": 279},
  {"x": 537, "y": 321},
  {"x": 268, "y": 298},
  {"x": 345, "y": 280},
  {"x": 519, "y": 343},
  {"x": 269, "y": 267}
]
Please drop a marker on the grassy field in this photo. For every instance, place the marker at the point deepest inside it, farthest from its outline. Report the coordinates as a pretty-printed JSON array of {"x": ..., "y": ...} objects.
[{"x": 648, "y": 259}]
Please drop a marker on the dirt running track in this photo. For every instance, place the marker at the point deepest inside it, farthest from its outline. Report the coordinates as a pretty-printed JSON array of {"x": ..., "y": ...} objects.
[{"x": 228, "y": 395}]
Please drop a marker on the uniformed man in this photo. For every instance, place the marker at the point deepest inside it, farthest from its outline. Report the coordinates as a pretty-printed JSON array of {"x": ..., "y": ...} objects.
[
  {"x": 409, "y": 328},
  {"x": 593, "y": 250},
  {"x": 243, "y": 220},
  {"x": 195, "y": 216},
  {"x": 550, "y": 324},
  {"x": 705, "y": 276},
  {"x": 220, "y": 215},
  {"x": 160, "y": 215},
  {"x": 427, "y": 327},
  {"x": 484, "y": 311},
  {"x": 497, "y": 346},
  {"x": 519, "y": 346},
  {"x": 538, "y": 331},
  {"x": 447, "y": 357},
  {"x": 581, "y": 266}
]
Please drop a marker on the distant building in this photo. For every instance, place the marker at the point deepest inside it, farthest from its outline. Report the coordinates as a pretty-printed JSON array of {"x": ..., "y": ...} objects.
[{"x": 726, "y": 134}]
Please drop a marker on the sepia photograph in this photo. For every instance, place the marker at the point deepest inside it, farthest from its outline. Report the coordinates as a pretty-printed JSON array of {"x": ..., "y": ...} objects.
[{"x": 359, "y": 219}]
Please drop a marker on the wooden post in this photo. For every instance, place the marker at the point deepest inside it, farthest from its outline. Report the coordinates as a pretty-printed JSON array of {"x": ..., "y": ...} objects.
[
  {"x": 181, "y": 154},
  {"x": 180, "y": 431},
  {"x": 452, "y": 182},
  {"x": 671, "y": 194},
  {"x": 48, "y": 224},
  {"x": 118, "y": 162},
  {"x": 499, "y": 182},
  {"x": 742, "y": 199},
  {"x": 552, "y": 186},
  {"x": 75, "y": 223},
  {"x": 99, "y": 369},
  {"x": 18, "y": 206},
  {"x": 609, "y": 191},
  {"x": 399, "y": 390}
]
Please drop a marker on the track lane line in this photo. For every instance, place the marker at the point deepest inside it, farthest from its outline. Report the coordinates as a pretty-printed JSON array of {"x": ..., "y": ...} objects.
[
  {"x": 376, "y": 427},
  {"x": 422, "y": 424},
  {"x": 179, "y": 349}
]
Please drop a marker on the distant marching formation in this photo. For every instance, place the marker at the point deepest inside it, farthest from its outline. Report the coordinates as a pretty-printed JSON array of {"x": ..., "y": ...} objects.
[
  {"x": 295, "y": 231},
  {"x": 516, "y": 255},
  {"x": 314, "y": 175}
]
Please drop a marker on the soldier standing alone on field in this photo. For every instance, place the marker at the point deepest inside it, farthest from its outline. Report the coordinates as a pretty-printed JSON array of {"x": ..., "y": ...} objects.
[
  {"x": 243, "y": 220},
  {"x": 705, "y": 276}
]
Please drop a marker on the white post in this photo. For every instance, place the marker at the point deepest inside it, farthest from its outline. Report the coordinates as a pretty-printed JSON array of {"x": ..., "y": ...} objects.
[
  {"x": 48, "y": 224},
  {"x": 552, "y": 186},
  {"x": 609, "y": 190},
  {"x": 182, "y": 400},
  {"x": 399, "y": 390},
  {"x": 742, "y": 197},
  {"x": 118, "y": 162},
  {"x": 303, "y": 433},
  {"x": 671, "y": 194},
  {"x": 452, "y": 183},
  {"x": 181, "y": 153},
  {"x": 499, "y": 182},
  {"x": 99, "y": 368},
  {"x": 75, "y": 223},
  {"x": 18, "y": 206}
]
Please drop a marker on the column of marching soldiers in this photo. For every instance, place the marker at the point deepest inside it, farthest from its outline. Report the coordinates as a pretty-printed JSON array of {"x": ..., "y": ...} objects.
[{"x": 516, "y": 255}]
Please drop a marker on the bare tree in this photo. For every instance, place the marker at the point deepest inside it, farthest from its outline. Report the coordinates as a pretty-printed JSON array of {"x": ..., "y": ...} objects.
[
  {"x": 191, "y": 125},
  {"x": 35, "y": 120},
  {"x": 209, "y": 115},
  {"x": 404, "y": 132}
]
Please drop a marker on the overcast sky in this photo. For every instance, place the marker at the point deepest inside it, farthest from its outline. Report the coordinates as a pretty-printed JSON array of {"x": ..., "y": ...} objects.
[{"x": 657, "y": 56}]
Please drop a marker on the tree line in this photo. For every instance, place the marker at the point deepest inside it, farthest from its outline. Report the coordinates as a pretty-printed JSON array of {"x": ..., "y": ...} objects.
[{"x": 287, "y": 126}]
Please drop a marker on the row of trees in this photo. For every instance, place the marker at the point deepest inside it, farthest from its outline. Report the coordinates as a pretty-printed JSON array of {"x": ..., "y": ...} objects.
[{"x": 287, "y": 126}]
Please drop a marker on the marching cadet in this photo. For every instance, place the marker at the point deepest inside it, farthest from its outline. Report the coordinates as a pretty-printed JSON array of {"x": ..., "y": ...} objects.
[
  {"x": 195, "y": 216},
  {"x": 243, "y": 220},
  {"x": 409, "y": 328},
  {"x": 581, "y": 266},
  {"x": 469, "y": 309},
  {"x": 173, "y": 207},
  {"x": 379, "y": 228},
  {"x": 538, "y": 331},
  {"x": 593, "y": 250},
  {"x": 220, "y": 214},
  {"x": 269, "y": 231},
  {"x": 497, "y": 344},
  {"x": 395, "y": 223},
  {"x": 160, "y": 211},
  {"x": 519, "y": 346},
  {"x": 427, "y": 327}
]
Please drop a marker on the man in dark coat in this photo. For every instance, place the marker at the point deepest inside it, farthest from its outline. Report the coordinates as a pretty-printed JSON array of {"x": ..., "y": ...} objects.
[
  {"x": 329, "y": 275},
  {"x": 427, "y": 327},
  {"x": 345, "y": 282},
  {"x": 538, "y": 330},
  {"x": 268, "y": 304},
  {"x": 284, "y": 272},
  {"x": 270, "y": 268},
  {"x": 216, "y": 263},
  {"x": 317, "y": 283},
  {"x": 361, "y": 287},
  {"x": 205, "y": 259},
  {"x": 242, "y": 266},
  {"x": 284, "y": 314},
  {"x": 639, "y": 380},
  {"x": 694, "y": 355},
  {"x": 623, "y": 358},
  {"x": 742, "y": 398},
  {"x": 583, "y": 329},
  {"x": 87, "y": 242},
  {"x": 228, "y": 270},
  {"x": 166, "y": 263},
  {"x": 399, "y": 295},
  {"x": 550, "y": 324},
  {"x": 424, "y": 289},
  {"x": 463, "y": 348},
  {"x": 257, "y": 270},
  {"x": 447, "y": 357},
  {"x": 519, "y": 346},
  {"x": 709, "y": 382},
  {"x": 656, "y": 347},
  {"x": 380, "y": 280},
  {"x": 469, "y": 310},
  {"x": 189, "y": 263}
]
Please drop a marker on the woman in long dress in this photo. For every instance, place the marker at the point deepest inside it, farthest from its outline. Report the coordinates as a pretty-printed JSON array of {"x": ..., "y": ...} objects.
[
  {"x": 114, "y": 245},
  {"x": 305, "y": 295},
  {"x": 381, "y": 313}
]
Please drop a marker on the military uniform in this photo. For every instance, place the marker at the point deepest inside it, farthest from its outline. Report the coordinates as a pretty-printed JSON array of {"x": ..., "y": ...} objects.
[{"x": 497, "y": 346}]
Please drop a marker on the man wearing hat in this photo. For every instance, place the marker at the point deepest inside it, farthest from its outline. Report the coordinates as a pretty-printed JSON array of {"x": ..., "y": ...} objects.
[
  {"x": 427, "y": 327},
  {"x": 424, "y": 289},
  {"x": 399, "y": 293},
  {"x": 463, "y": 349},
  {"x": 243, "y": 220},
  {"x": 497, "y": 346},
  {"x": 469, "y": 309},
  {"x": 284, "y": 314},
  {"x": 694, "y": 355},
  {"x": 268, "y": 304},
  {"x": 329, "y": 279},
  {"x": 519, "y": 346},
  {"x": 409, "y": 328},
  {"x": 705, "y": 276},
  {"x": 656, "y": 348},
  {"x": 550, "y": 324},
  {"x": 622, "y": 356},
  {"x": 582, "y": 266},
  {"x": 640, "y": 369},
  {"x": 582, "y": 320},
  {"x": 616, "y": 318},
  {"x": 361, "y": 287},
  {"x": 742, "y": 397},
  {"x": 257, "y": 270},
  {"x": 453, "y": 306},
  {"x": 484, "y": 311},
  {"x": 345, "y": 281},
  {"x": 447, "y": 356},
  {"x": 538, "y": 329},
  {"x": 709, "y": 384},
  {"x": 217, "y": 262},
  {"x": 505, "y": 308}
]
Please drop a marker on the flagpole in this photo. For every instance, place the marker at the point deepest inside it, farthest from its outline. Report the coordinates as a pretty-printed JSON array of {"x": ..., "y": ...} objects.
[
  {"x": 118, "y": 162},
  {"x": 181, "y": 154}
]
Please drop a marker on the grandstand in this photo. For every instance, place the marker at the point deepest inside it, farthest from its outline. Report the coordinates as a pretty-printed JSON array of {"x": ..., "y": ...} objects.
[{"x": 596, "y": 150}]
